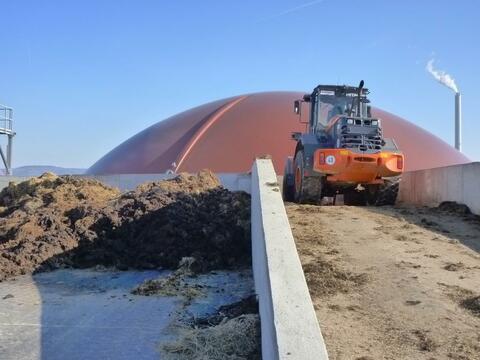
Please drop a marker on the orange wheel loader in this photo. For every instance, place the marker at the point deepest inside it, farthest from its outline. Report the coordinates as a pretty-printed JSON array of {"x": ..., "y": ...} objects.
[{"x": 343, "y": 151}]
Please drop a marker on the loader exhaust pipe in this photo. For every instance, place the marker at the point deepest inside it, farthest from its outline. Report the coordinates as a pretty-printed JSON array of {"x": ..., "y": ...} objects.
[
  {"x": 458, "y": 121},
  {"x": 359, "y": 106}
]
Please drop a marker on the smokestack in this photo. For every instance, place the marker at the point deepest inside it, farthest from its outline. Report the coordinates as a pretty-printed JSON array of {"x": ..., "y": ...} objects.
[
  {"x": 458, "y": 121},
  {"x": 445, "y": 79}
]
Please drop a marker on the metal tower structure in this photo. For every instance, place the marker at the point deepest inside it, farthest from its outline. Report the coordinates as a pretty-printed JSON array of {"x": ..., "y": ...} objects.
[{"x": 6, "y": 128}]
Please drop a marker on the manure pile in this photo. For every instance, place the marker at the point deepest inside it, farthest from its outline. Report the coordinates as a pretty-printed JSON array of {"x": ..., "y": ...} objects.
[{"x": 54, "y": 222}]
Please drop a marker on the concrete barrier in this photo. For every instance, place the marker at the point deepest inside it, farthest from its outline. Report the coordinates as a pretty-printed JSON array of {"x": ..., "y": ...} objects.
[
  {"x": 460, "y": 183},
  {"x": 5, "y": 180},
  {"x": 124, "y": 182},
  {"x": 290, "y": 329},
  {"x": 231, "y": 181}
]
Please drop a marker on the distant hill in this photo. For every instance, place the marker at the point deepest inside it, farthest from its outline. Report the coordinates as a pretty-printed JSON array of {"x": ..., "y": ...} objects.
[{"x": 37, "y": 170}]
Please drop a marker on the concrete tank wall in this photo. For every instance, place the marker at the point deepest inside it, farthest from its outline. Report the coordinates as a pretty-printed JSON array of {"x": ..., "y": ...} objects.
[
  {"x": 460, "y": 183},
  {"x": 125, "y": 182}
]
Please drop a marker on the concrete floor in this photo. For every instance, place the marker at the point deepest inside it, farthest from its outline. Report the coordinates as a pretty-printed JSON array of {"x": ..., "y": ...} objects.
[{"x": 86, "y": 314}]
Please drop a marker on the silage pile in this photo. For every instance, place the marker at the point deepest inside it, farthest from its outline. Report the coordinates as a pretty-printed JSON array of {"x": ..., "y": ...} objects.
[
  {"x": 34, "y": 219},
  {"x": 60, "y": 221}
]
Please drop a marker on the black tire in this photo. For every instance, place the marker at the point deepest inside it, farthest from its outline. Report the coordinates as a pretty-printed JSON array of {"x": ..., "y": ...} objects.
[
  {"x": 307, "y": 190},
  {"x": 384, "y": 194},
  {"x": 288, "y": 191}
]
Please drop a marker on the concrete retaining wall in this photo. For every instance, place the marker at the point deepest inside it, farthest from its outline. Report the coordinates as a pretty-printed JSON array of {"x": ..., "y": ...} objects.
[
  {"x": 125, "y": 182},
  {"x": 5, "y": 180},
  {"x": 460, "y": 183},
  {"x": 233, "y": 182},
  {"x": 290, "y": 328}
]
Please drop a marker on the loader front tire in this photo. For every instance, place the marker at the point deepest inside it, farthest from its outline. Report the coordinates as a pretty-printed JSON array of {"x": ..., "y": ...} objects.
[
  {"x": 384, "y": 194},
  {"x": 288, "y": 184},
  {"x": 307, "y": 189}
]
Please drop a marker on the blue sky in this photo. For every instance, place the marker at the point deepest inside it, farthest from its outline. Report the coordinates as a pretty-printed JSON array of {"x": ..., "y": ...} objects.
[{"x": 85, "y": 75}]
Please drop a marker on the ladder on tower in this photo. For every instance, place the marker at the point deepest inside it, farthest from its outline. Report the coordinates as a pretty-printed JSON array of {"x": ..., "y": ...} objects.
[{"x": 6, "y": 128}]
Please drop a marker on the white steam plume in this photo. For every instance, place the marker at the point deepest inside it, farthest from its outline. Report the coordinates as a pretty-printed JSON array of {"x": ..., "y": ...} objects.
[{"x": 442, "y": 77}]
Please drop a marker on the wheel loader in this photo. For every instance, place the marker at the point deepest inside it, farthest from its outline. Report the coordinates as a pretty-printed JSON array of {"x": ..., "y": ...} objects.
[{"x": 342, "y": 152}]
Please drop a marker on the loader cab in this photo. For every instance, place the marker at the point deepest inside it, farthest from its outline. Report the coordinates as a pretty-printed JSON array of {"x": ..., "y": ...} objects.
[{"x": 328, "y": 102}]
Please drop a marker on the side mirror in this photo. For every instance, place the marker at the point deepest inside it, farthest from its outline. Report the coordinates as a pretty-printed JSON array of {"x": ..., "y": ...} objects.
[
  {"x": 307, "y": 97},
  {"x": 296, "y": 107}
]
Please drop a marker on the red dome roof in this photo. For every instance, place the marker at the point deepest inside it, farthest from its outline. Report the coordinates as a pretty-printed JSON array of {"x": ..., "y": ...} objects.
[{"x": 226, "y": 135}]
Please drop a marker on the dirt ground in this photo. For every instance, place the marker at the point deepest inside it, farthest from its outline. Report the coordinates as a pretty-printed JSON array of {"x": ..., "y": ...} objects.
[{"x": 392, "y": 283}]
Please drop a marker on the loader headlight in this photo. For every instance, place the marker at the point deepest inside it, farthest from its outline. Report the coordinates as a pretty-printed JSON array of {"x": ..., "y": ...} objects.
[
  {"x": 350, "y": 121},
  {"x": 374, "y": 122}
]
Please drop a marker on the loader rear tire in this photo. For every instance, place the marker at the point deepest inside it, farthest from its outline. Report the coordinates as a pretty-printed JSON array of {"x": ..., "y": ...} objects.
[{"x": 384, "y": 194}]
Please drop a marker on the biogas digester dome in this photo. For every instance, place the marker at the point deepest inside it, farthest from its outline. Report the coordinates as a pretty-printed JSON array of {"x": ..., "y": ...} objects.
[{"x": 226, "y": 136}]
